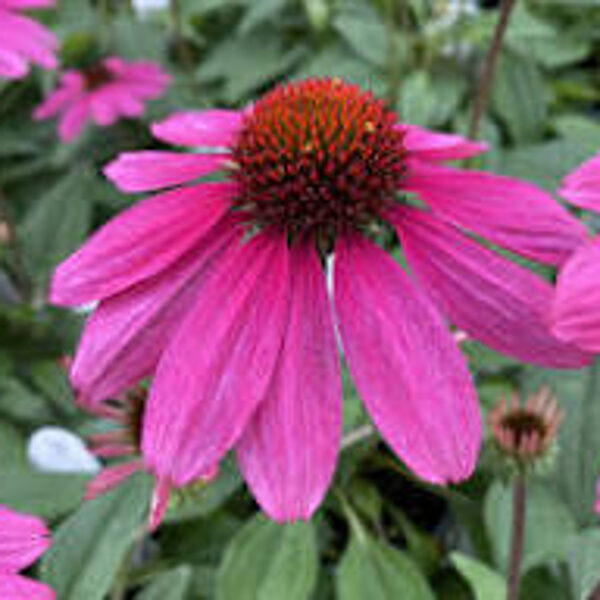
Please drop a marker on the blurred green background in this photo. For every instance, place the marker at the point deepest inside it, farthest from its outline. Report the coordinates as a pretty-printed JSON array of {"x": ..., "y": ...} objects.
[{"x": 380, "y": 534}]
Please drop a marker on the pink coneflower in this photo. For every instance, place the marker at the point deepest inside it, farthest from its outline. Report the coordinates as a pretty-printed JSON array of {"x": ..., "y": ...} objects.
[
  {"x": 23, "y": 41},
  {"x": 219, "y": 289},
  {"x": 23, "y": 539},
  {"x": 104, "y": 93},
  {"x": 577, "y": 305}
]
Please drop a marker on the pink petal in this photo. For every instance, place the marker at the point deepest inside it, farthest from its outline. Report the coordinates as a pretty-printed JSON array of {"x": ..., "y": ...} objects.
[
  {"x": 15, "y": 587},
  {"x": 73, "y": 120},
  {"x": 289, "y": 449},
  {"x": 200, "y": 128},
  {"x": 55, "y": 103},
  {"x": 27, "y": 4},
  {"x": 432, "y": 146},
  {"x": 508, "y": 212},
  {"x": 218, "y": 365},
  {"x": 494, "y": 300},
  {"x": 160, "y": 503},
  {"x": 139, "y": 243},
  {"x": 124, "y": 338},
  {"x": 576, "y": 314},
  {"x": 582, "y": 186},
  {"x": 406, "y": 365},
  {"x": 12, "y": 66},
  {"x": 23, "y": 539},
  {"x": 111, "y": 477},
  {"x": 154, "y": 169},
  {"x": 597, "y": 505}
]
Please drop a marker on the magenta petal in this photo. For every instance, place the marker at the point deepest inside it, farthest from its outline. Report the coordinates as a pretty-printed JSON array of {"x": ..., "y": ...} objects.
[
  {"x": 582, "y": 186},
  {"x": 492, "y": 299},
  {"x": 218, "y": 365},
  {"x": 23, "y": 539},
  {"x": 289, "y": 449},
  {"x": 139, "y": 243},
  {"x": 406, "y": 366},
  {"x": 15, "y": 587},
  {"x": 436, "y": 147},
  {"x": 124, "y": 338},
  {"x": 508, "y": 212},
  {"x": 576, "y": 314},
  {"x": 147, "y": 170},
  {"x": 210, "y": 128},
  {"x": 111, "y": 477}
]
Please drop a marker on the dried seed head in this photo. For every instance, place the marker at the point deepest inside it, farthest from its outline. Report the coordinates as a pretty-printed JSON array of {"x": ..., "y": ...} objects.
[{"x": 526, "y": 433}]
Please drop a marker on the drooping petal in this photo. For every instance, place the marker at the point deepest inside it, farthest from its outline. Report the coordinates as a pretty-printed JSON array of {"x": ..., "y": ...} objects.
[
  {"x": 511, "y": 213},
  {"x": 56, "y": 102},
  {"x": 431, "y": 146},
  {"x": 582, "y": 186},
  {"x": 111, "y": 477},
  {"x": 576, "y": 314},
  {"x": 23, "y": 539},
  {"x": 407, "y": 368},
  {"x": 139, "y": 243},
  {"x": 492, "y": 299},
  {"x": 154, "y": 169},
  {"x": 288, "y": 451},
  {"x": 16, "y": 587},
  {"x": 124, "y": 338},
  {"x": 12, "y": 66},
  {"x": 218, "y": 366},
  {"x": 73, "y": 119},
  {"x": 209, "y": 128}
]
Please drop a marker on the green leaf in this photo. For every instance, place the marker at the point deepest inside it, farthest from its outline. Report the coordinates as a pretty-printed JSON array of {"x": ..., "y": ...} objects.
[
  {"x": 520, "y": 98},
  {"x": 245, "y": 63},
  {"x": 377, "y": 571},
  {"x": 260, "y": 12},
  {"x": 417, "y": 98},
  {"x": 43, "y": 494},
  {"x": 549, "y": 528},
  {"x": 173, "y": 585},
  {"x": 585, "y": 563},
  {"x": 578, "y": 461},
  {"x": 269, "y": 562},
  {"x": 90, "y": 546},
  {"x": 58, "y": 223},
  {"x": 364, "y": 31},
  {"x": 485, "y": 583}
]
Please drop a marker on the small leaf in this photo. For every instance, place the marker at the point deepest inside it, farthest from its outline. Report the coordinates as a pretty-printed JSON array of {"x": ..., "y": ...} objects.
[
  {"x": 269, "y": 562},
  {"x": 585, "y": 563},
  {"x": 173, "y": 585},
  {"x": 377, "y": 571},
  {"x": 520, "y": 98},
  {"x": 90, "y": 546},
  {"x": 485, "y": 583}
]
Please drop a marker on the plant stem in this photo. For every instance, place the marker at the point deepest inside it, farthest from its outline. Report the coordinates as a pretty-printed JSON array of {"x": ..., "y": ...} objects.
[
  {"x": 183, "y": 52},
  {"x": 490, "y": 67},
  {"x": 517, "y": 536}
]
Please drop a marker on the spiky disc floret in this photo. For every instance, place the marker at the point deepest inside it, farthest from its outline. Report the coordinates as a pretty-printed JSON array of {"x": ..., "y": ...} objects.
[{"x": 318, "y": 157}]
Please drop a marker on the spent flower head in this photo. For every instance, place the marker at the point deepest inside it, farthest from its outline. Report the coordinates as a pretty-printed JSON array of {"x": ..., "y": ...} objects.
[{"x": 525, "y": 433}]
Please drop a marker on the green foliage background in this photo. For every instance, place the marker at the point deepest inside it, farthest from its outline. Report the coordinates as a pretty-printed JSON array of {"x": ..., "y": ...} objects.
[{"x": 380, "y": 534}]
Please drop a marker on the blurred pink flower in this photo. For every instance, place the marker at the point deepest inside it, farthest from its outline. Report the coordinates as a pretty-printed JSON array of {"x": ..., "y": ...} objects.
[
  {"x": 22, "y": 40},
  {"x": 23, "y": 539},
  {"x": 577, "y": 306},
  {"x": 105, "y": 92},
  {"x": 219, "y": 290}
]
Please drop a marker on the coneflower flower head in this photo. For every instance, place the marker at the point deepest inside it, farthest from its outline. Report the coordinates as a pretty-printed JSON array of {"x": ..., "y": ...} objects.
[
  {"x": 525, "y": 434},
  {"x": 219, "y": 290}
]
